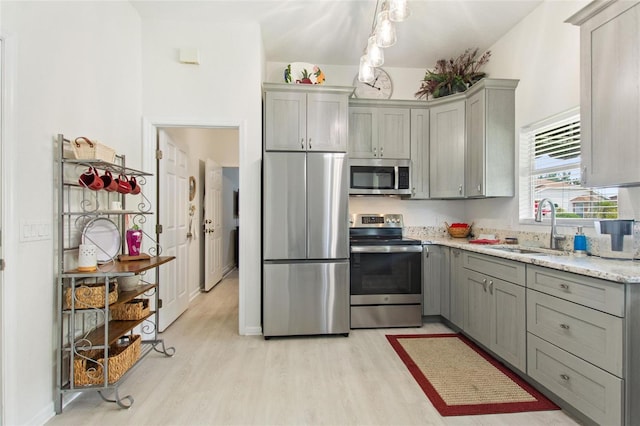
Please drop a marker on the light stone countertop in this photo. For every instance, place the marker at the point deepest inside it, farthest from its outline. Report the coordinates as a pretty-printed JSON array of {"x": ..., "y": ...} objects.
[{"x": 621, "y": 271}]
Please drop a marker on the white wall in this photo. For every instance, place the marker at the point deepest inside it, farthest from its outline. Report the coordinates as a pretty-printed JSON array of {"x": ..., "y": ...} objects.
[
  {"x": 72, "y": 68},
  {"x": 223, "y": 90},
  {"x": 543, "y": 53}
]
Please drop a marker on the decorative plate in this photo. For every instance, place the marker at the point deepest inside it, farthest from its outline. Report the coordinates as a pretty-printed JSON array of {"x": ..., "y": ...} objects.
[
  {"x": 104, "y": 234},
  {"x": 303, "y": 73}
]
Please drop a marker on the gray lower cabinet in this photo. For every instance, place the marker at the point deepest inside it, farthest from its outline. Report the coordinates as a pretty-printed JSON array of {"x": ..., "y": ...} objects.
[
  {"x": 577, "y": 335},
  {"x": 496, "y": 311},
  {"x": 457, "y": 294},
  {"x": 435, "y": 279},
  {"x": 587, "y": 388}
]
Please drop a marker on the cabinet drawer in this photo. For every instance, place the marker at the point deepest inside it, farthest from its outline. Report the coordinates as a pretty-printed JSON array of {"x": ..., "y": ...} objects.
[
  {"x": 599, "y": 294},
  {"x": 592, "y": 335},
  {"x": 507, "y": 270},
  {"x": 593, "y": 391}
]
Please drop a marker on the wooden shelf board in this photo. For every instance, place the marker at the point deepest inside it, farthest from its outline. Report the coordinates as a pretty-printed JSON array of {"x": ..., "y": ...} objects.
[
  {"x": 117, "y": 329},
  {"x": 117, "y": 268}
]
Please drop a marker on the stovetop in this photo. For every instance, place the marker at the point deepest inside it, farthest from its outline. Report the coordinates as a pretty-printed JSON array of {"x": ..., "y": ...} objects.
[{"x": 378, "y": 229}]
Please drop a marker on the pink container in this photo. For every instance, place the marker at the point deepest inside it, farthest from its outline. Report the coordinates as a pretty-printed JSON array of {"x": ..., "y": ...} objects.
[{"x": 134, "y": 240}]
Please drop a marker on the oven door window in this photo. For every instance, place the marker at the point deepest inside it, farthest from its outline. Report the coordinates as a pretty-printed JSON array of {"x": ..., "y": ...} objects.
[
  {"x": 369, "y": 177},
  {"x": 386, "y": 273}
]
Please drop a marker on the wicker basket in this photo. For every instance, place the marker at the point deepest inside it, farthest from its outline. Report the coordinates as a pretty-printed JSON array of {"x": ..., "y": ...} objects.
[
  {"x": 133, "y": 310},
  {"x": 88, "y": 368},
  {"x": 90, "y": 296},
  {"x": 459, "y": 232},
  {"x": 87, "y": 149}
]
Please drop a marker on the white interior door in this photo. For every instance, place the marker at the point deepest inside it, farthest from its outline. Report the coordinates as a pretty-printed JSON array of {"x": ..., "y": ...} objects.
[
  {"x": 212, "y": 225},
  {"x": 173, "y": 202}
]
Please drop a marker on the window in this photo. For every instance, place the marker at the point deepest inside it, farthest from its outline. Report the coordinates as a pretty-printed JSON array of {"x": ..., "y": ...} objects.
[{"x": 550, "y": 168}]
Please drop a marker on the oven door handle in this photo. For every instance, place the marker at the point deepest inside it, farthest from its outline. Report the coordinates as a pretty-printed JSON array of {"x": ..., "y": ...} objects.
[{"x": 387, "y": 249}]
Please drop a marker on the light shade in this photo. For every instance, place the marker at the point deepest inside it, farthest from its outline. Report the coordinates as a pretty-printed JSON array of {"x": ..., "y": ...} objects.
[
  {"x": 375, "y": 54},
  {"x": 385, "y": 30},
  {"x": 398, "y": 10},
  {"x": 365, "y": 72}
]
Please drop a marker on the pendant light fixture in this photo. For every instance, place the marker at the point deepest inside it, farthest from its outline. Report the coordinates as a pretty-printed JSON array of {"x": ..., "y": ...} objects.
[
  {"x": 375, "y": 54},
  {"x": 365, "y": 72},
  {"x": 385, "y": 30},
  {"x": 383, "y": 34},
  {"x": 398, "y": 10}
]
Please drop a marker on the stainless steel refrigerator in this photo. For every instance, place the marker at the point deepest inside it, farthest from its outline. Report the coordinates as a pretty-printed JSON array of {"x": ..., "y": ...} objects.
[{"x": 305, "y": 283}]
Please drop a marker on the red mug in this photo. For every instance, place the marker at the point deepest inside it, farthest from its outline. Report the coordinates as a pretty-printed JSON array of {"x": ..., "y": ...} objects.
[
  {"x": 109, "y": 182},
  {"x": 124, "y": 187},
  {"x": 91, "y": 179},
  {"x": 135, "y": 188}
]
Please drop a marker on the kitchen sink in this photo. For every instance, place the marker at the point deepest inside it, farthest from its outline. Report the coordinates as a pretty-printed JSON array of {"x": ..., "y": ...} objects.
[{"x": 529, "y": 250}]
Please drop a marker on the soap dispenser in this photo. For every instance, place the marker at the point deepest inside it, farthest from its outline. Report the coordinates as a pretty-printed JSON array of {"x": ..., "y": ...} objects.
[{"x": 580, "y": 243}]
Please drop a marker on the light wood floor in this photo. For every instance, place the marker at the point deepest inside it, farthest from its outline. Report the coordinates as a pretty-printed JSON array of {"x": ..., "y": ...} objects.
[{"x": 220, "y": 378}]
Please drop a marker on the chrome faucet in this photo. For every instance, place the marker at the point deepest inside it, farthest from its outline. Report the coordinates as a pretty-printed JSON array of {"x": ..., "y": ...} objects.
[{"x": 555, "y": 239}]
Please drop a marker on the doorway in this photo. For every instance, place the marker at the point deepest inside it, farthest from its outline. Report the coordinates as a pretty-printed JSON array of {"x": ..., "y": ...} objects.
[{"x": 199, "y": 140}]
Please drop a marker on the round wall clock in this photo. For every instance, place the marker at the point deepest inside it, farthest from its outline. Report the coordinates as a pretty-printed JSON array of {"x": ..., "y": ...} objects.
[{"x": 380, "y": 88}]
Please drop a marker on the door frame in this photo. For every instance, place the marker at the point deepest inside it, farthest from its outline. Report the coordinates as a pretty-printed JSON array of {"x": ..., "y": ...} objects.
[{"x": 150, "y": 126}]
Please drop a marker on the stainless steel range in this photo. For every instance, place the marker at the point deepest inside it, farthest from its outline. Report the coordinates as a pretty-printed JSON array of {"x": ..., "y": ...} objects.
[{"x": 386, "y": 273}]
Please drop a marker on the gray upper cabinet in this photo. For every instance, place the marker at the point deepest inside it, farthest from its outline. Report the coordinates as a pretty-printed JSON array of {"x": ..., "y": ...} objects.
[
  {"x": 379, "y": 132},
  {"x": 609, "y": 92},
  {"x": 300, "y": 118},
  {"x": 446, "y": 148},
  {"x": 490, "y": 144},
  {"x": 420, "y": 153}
]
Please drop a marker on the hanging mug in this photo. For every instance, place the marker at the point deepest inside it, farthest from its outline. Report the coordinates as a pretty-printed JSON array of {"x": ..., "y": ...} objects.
[
  {"x": 91, "y": 179},
  {"x": 109, "y": 182},
  {"x": 124, "y": 187},
  {"x": 135, "y": 187}
]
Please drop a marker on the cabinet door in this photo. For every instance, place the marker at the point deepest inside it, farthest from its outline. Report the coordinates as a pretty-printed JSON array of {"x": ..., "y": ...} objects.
[
  {"x": 508, "y": 322},
  {"x": 420, "y": 153},
  {"x": 327, "y": 122},
  {"x": 477, "y": 319},
  {"x": 434, "y": 276},
  {"x": 610, "y": 96},
  {"x": 393, "y": 133},
  {"x": 446, "y": 149},
  {"x": 458, "y": 294},
  {"x": 474, "y": 171},
  {"x": 285, "y": 121},
  {"x": 363, "y": 132}
]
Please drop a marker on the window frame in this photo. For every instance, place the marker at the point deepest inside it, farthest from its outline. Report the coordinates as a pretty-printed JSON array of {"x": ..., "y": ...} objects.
[{"x": 526, "y": 170}]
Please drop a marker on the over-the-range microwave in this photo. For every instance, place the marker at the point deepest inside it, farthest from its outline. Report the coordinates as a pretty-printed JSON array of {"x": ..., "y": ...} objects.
[{"x": 379, "y": 177}]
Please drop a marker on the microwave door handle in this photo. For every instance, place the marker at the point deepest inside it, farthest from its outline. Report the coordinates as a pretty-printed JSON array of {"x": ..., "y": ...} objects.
[{"x": 397, "y": 174}]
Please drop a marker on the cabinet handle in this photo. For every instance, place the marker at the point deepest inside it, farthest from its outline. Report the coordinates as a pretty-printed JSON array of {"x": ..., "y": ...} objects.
[
  {"x": 564, "y": 286},
  {"x": 564, "y": 377},
  {"x": 460, "y": 189},
  {"x": 479, "y": 188},
  {"x": 491, "y": 287},
  {"x": 484, "y": 284},
  {"x": 374, "y": 152},
  {"x": 309, "y": 143},
  {"x": 413, "y": 191},
  {"x": 302, "y": 143},
  {"x": 564, "y": 326},
  {"x": 382, "y": 152}
]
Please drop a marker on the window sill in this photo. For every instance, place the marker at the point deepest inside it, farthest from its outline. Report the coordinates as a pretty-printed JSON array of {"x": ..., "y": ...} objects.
[{"x": 568, "y": 222}]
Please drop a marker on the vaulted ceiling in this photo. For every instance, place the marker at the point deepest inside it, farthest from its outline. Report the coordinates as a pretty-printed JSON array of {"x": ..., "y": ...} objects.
[{"x": 335, "y": 31}]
